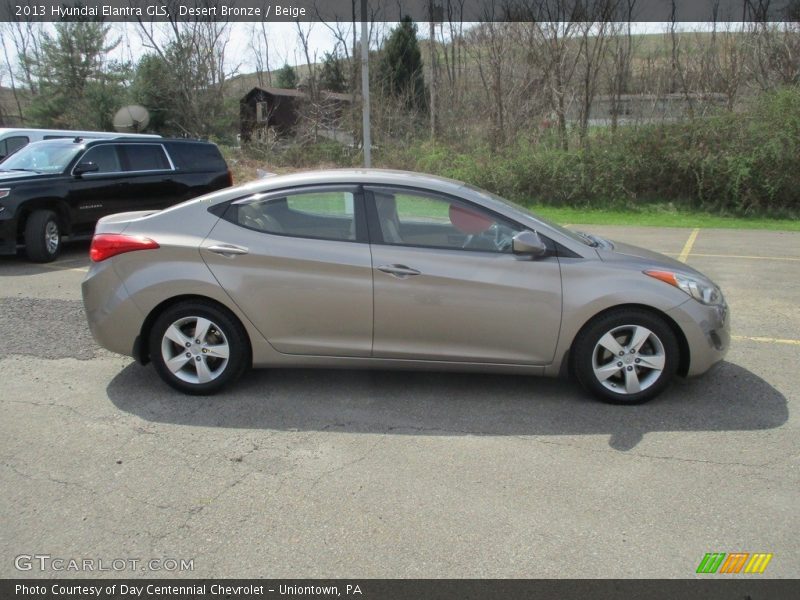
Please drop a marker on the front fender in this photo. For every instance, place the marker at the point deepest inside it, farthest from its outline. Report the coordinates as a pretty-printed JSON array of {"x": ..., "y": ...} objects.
[{"x": 590, "y": 288}]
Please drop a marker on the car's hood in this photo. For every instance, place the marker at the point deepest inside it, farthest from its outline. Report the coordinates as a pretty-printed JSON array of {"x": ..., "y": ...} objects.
[{"x": 647, "y": 258}]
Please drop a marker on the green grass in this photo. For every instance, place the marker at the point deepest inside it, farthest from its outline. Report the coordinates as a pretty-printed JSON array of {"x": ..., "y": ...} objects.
[
  {"x": 661, "y": 218},
  {"x": 416, "y": 208}
]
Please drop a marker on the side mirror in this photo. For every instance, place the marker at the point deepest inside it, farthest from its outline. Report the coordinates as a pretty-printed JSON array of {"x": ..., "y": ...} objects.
[
  {"x": 85, "y": 167},
  {"x": 528, "y": 243}
]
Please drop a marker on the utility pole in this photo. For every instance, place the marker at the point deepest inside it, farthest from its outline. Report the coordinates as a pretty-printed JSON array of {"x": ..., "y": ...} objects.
[
  {"x": 366, "y": 139},
  {"x": 435, "y": 17},
  {"x": 432, "y": 16}
]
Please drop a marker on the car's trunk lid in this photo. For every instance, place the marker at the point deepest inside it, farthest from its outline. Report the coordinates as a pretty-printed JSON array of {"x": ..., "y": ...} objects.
[{"x": 117, "y": 223}]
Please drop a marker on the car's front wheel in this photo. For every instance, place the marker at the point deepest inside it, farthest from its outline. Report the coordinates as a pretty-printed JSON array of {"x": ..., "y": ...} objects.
[
  {"x": 198, "y": 347},
  {"x": 626, "y": 356},
  {"x": 42, "y": 236}
]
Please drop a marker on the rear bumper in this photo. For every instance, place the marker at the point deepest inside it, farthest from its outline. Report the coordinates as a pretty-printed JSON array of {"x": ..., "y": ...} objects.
[
  {"x": 707, "y": 331},
  {"x": 114, "y": 319}
]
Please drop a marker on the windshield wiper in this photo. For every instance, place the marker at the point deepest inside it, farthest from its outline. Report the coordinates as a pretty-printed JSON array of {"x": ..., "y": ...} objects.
[
  {"x": 27, "y": 170},
  {"x": 590, "y": 240}
]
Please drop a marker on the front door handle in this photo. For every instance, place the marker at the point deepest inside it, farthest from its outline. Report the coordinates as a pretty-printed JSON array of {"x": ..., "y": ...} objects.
[
  {"x": 399, "y": 271},
  {"x": 228, "y": 250}
]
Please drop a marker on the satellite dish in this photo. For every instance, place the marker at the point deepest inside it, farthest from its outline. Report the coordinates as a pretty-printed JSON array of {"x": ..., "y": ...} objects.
[{"x": 131, "y": 119}]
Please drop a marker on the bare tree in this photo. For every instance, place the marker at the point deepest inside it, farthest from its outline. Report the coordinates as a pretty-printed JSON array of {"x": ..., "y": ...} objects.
[
  {"x": 619, "y": 72},
  {"x": 592, "y": 48},
  {"x": 194, "y": 52},
  {"x": 553, "y": 46},
  {"x": 679, "y": 80},
  {"x": 490, "y": 55},
  {"x": 259, "y": 46}
]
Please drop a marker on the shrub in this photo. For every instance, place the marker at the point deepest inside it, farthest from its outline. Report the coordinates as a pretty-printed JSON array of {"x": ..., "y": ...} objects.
[{"x": 746, "y": 162}]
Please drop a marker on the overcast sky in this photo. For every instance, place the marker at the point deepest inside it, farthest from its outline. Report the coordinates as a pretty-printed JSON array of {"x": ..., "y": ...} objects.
[{"x": 284, "y": 45}]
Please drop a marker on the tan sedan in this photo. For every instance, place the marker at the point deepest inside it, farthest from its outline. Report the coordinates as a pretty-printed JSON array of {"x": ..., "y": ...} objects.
[{"x": 392, "y": 270}]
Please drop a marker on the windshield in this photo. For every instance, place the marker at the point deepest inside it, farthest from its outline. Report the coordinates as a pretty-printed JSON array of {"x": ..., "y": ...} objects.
[
  {"x": 573, "y": 235},
  {"x": 42, "y": 157}
]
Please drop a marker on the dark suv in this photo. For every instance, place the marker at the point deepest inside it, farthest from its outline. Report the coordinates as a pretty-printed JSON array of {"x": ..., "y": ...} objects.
[{"x": 62, "y": 187}]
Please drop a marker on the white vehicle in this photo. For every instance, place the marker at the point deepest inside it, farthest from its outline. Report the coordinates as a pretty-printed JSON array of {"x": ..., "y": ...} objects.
[{"x": 12, "y": 140}]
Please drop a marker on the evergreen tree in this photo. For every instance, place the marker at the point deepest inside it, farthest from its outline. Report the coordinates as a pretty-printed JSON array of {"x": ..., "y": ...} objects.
[
  {"x": 286, "y": 77},
  {"x": 153, "y": 89},
  {"x": 400, "y": 66},
  {"x": 77, "y": 87},
  {"x": 332, "y": 77}
]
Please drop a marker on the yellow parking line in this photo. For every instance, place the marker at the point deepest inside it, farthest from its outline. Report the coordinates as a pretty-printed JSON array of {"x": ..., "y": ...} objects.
[
  {"x": 741, "y": 256},
  {"x": 767, "y": 340},
  {"x": 687, "y": 247}
]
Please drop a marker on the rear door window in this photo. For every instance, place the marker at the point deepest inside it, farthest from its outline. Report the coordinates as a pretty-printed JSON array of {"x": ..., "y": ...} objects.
[
  {"x": 327, "y": 215},
  {"x": 105, "y": 157},
  {"x": 144, "y": 157}
]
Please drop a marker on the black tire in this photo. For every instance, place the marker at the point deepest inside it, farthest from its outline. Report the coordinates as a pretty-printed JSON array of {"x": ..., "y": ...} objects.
[
  {"x": 40, "y": 246},
  {"x": 588, "y": 354},
  {"x": 225, "y": 329}
]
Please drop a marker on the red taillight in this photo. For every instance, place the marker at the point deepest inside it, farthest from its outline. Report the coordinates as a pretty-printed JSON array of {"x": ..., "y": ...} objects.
[
  {"x": 230, "y": 178},
  {"x": 106, "y": 245}
]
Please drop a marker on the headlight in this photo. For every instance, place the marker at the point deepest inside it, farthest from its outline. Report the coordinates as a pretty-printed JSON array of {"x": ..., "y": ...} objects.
[
  {"x": 701, "y": 290},
  {"x": 4, "y": 192}
]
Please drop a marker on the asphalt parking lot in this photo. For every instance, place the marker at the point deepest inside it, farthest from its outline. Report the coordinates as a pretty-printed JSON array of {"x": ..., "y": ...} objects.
[{"x": 373, "y": 474}]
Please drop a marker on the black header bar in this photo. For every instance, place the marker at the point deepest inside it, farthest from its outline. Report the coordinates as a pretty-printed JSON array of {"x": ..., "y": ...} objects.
[
  {"x": 393, "y": 10},
  {"x": 712, "y": 588}
]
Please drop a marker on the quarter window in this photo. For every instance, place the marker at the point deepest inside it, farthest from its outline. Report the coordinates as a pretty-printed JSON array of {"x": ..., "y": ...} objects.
[
  {"x": 323, "y": 215},
  {"x": 410, "y": 218}
]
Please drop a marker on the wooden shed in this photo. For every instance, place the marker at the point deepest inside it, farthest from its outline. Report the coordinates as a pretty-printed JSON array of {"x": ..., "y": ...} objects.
[{"x": 278, "y": 109}]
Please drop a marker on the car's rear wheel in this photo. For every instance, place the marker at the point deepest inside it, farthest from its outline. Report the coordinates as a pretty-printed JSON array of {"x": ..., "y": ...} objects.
[
  {"x": 42, "y": 236},
  {"x": 626, "y": 356},
  {"x": 198, "y": 348}
]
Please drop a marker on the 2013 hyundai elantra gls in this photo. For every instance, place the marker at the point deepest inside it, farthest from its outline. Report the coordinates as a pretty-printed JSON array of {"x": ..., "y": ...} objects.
[{"x": 392, "y": 270}]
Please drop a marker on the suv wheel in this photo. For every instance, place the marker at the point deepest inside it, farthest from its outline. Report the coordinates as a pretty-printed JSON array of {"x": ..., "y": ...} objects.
[
  {"x": 198, "y": 348},
  {"x": 626, "y": 356},
  {"x": 42, "y": 236}
]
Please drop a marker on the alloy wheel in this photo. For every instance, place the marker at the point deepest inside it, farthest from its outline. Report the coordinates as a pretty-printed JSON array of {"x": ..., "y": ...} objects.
[
  {"x": 195, "y": 350},
  {"x": 52, "y": 237},
  {"x": 628, "y": 359}
]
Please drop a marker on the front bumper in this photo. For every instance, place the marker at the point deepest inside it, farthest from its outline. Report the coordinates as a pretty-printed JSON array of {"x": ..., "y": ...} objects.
[
  {"x": 707, "y": 330},
  {"x": 8, "y": 234}
]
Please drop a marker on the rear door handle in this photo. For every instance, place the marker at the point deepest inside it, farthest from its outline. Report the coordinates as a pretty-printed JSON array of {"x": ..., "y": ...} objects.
[
  {"x": 399, "y": 271},
  {"x": 228, "y": 250}
]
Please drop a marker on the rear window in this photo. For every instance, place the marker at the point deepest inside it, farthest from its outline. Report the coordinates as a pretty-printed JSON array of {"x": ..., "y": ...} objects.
[
  {"x": 196, "y": 157},
  {"x": 12, "y": 144}
]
